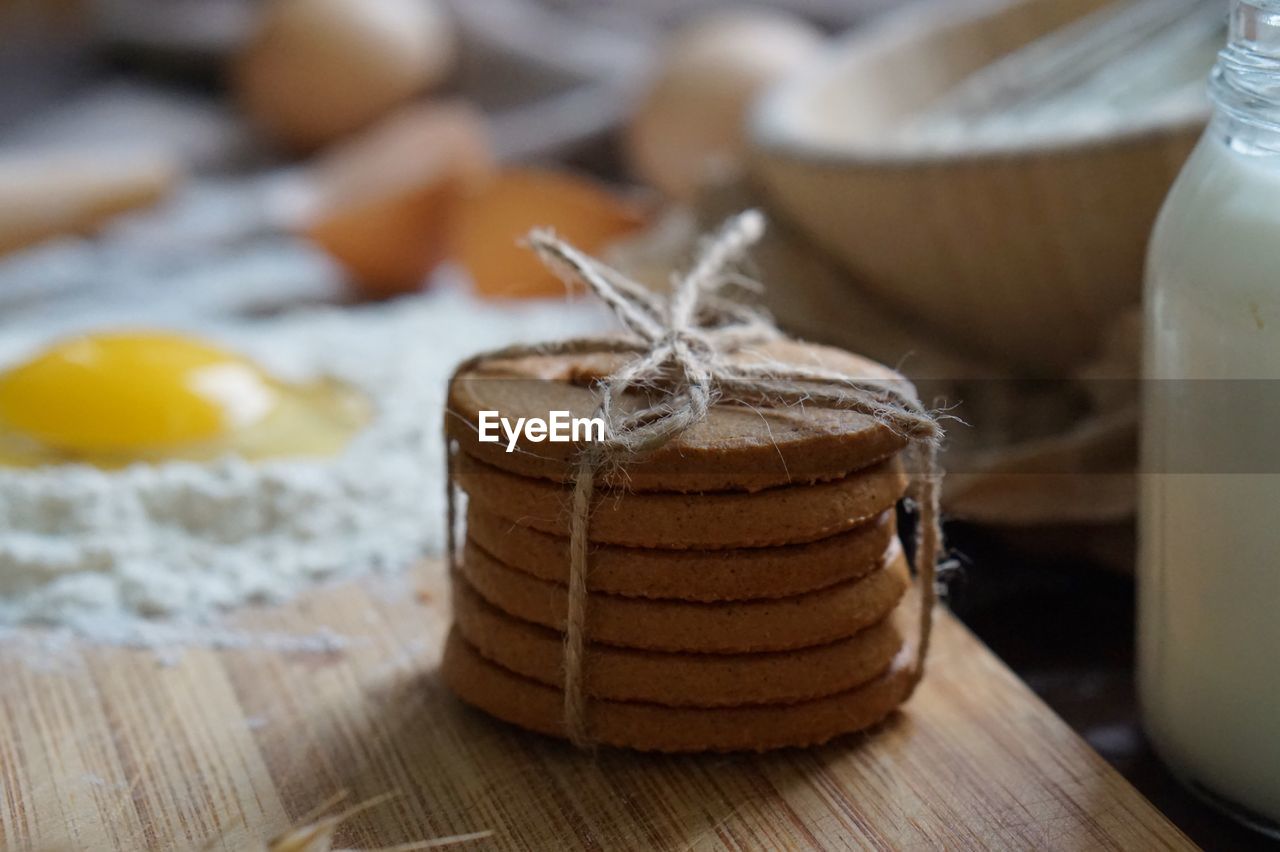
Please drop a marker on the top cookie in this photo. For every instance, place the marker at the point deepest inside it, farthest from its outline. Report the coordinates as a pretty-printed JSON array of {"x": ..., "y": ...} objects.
[{"x": 735, "y": 448}]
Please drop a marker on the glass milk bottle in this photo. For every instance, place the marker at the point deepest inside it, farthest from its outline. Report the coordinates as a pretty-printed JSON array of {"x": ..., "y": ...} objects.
[{"x": 1209, "y": 563}]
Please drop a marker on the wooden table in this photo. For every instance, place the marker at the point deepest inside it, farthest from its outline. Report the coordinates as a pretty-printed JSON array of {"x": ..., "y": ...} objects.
[{"x": 123, "y": 749}]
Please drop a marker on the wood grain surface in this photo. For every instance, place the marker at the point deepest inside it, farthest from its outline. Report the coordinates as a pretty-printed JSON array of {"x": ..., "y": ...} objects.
[{"x": 220, "y": 749}]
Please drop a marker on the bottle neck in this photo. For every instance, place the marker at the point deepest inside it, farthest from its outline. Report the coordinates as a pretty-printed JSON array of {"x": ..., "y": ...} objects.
[{"x": 1245, "y": 84}]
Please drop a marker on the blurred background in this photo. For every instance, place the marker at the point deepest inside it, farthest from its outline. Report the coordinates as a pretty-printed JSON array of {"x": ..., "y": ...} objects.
[{"x": 962, "y": 189}]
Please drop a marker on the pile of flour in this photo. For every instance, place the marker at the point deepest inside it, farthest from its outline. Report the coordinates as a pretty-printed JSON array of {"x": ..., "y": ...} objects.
[{"x": 153, "y": 554}]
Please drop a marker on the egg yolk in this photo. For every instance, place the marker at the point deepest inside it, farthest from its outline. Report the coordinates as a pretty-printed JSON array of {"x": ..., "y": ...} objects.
[{"x": 127, "y": 392}]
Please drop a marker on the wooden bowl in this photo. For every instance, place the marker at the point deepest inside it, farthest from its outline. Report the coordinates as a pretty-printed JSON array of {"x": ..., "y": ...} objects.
[{"x": 1017, "y": 252}]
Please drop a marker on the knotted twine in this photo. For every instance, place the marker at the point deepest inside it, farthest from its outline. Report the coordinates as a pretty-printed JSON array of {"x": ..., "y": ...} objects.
[{"x": 682, "y": 347}]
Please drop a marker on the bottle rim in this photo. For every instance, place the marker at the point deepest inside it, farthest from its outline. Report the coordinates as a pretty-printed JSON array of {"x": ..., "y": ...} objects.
[{"x": 1245, "y": 83}]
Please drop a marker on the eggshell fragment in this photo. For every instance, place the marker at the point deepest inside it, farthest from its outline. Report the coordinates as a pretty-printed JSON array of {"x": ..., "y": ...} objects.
[
  {"x": 319, "y": 69},
  {"x": 689, "y": 124},
  {"x": 491, "y": 225},
  {"x": 44, "y": 195},
  {"x": 382, "y": 201}
]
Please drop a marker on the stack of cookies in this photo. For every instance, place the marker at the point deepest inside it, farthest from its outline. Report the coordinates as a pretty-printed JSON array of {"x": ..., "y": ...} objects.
[{"x": 745, "y": 581}]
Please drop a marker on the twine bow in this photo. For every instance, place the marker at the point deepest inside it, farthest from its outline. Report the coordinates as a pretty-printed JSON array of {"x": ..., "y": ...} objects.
[{"x": 682, "y": 347}]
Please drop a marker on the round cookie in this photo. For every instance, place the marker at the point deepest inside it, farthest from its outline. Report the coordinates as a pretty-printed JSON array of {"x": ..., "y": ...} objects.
[
  {"x": 651, "y": 727},
  {"x": 678, "y": 680},
  {"x": 693, "y": 575},
  {"x": 791, "y": 514},
  {"x": 734, "y": 448},
  {"x": 777, "y": 624}
]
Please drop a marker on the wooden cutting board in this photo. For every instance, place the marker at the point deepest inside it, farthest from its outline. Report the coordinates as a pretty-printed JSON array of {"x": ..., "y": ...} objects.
[{"x": 219, "y": 749}]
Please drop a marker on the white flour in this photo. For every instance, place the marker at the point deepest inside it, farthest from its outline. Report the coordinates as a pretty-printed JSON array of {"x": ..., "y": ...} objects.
[{"x": 151, "y": 555}]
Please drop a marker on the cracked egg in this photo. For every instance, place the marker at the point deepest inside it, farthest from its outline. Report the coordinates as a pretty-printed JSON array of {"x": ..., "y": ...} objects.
[{"x": 117, "y": 398}]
